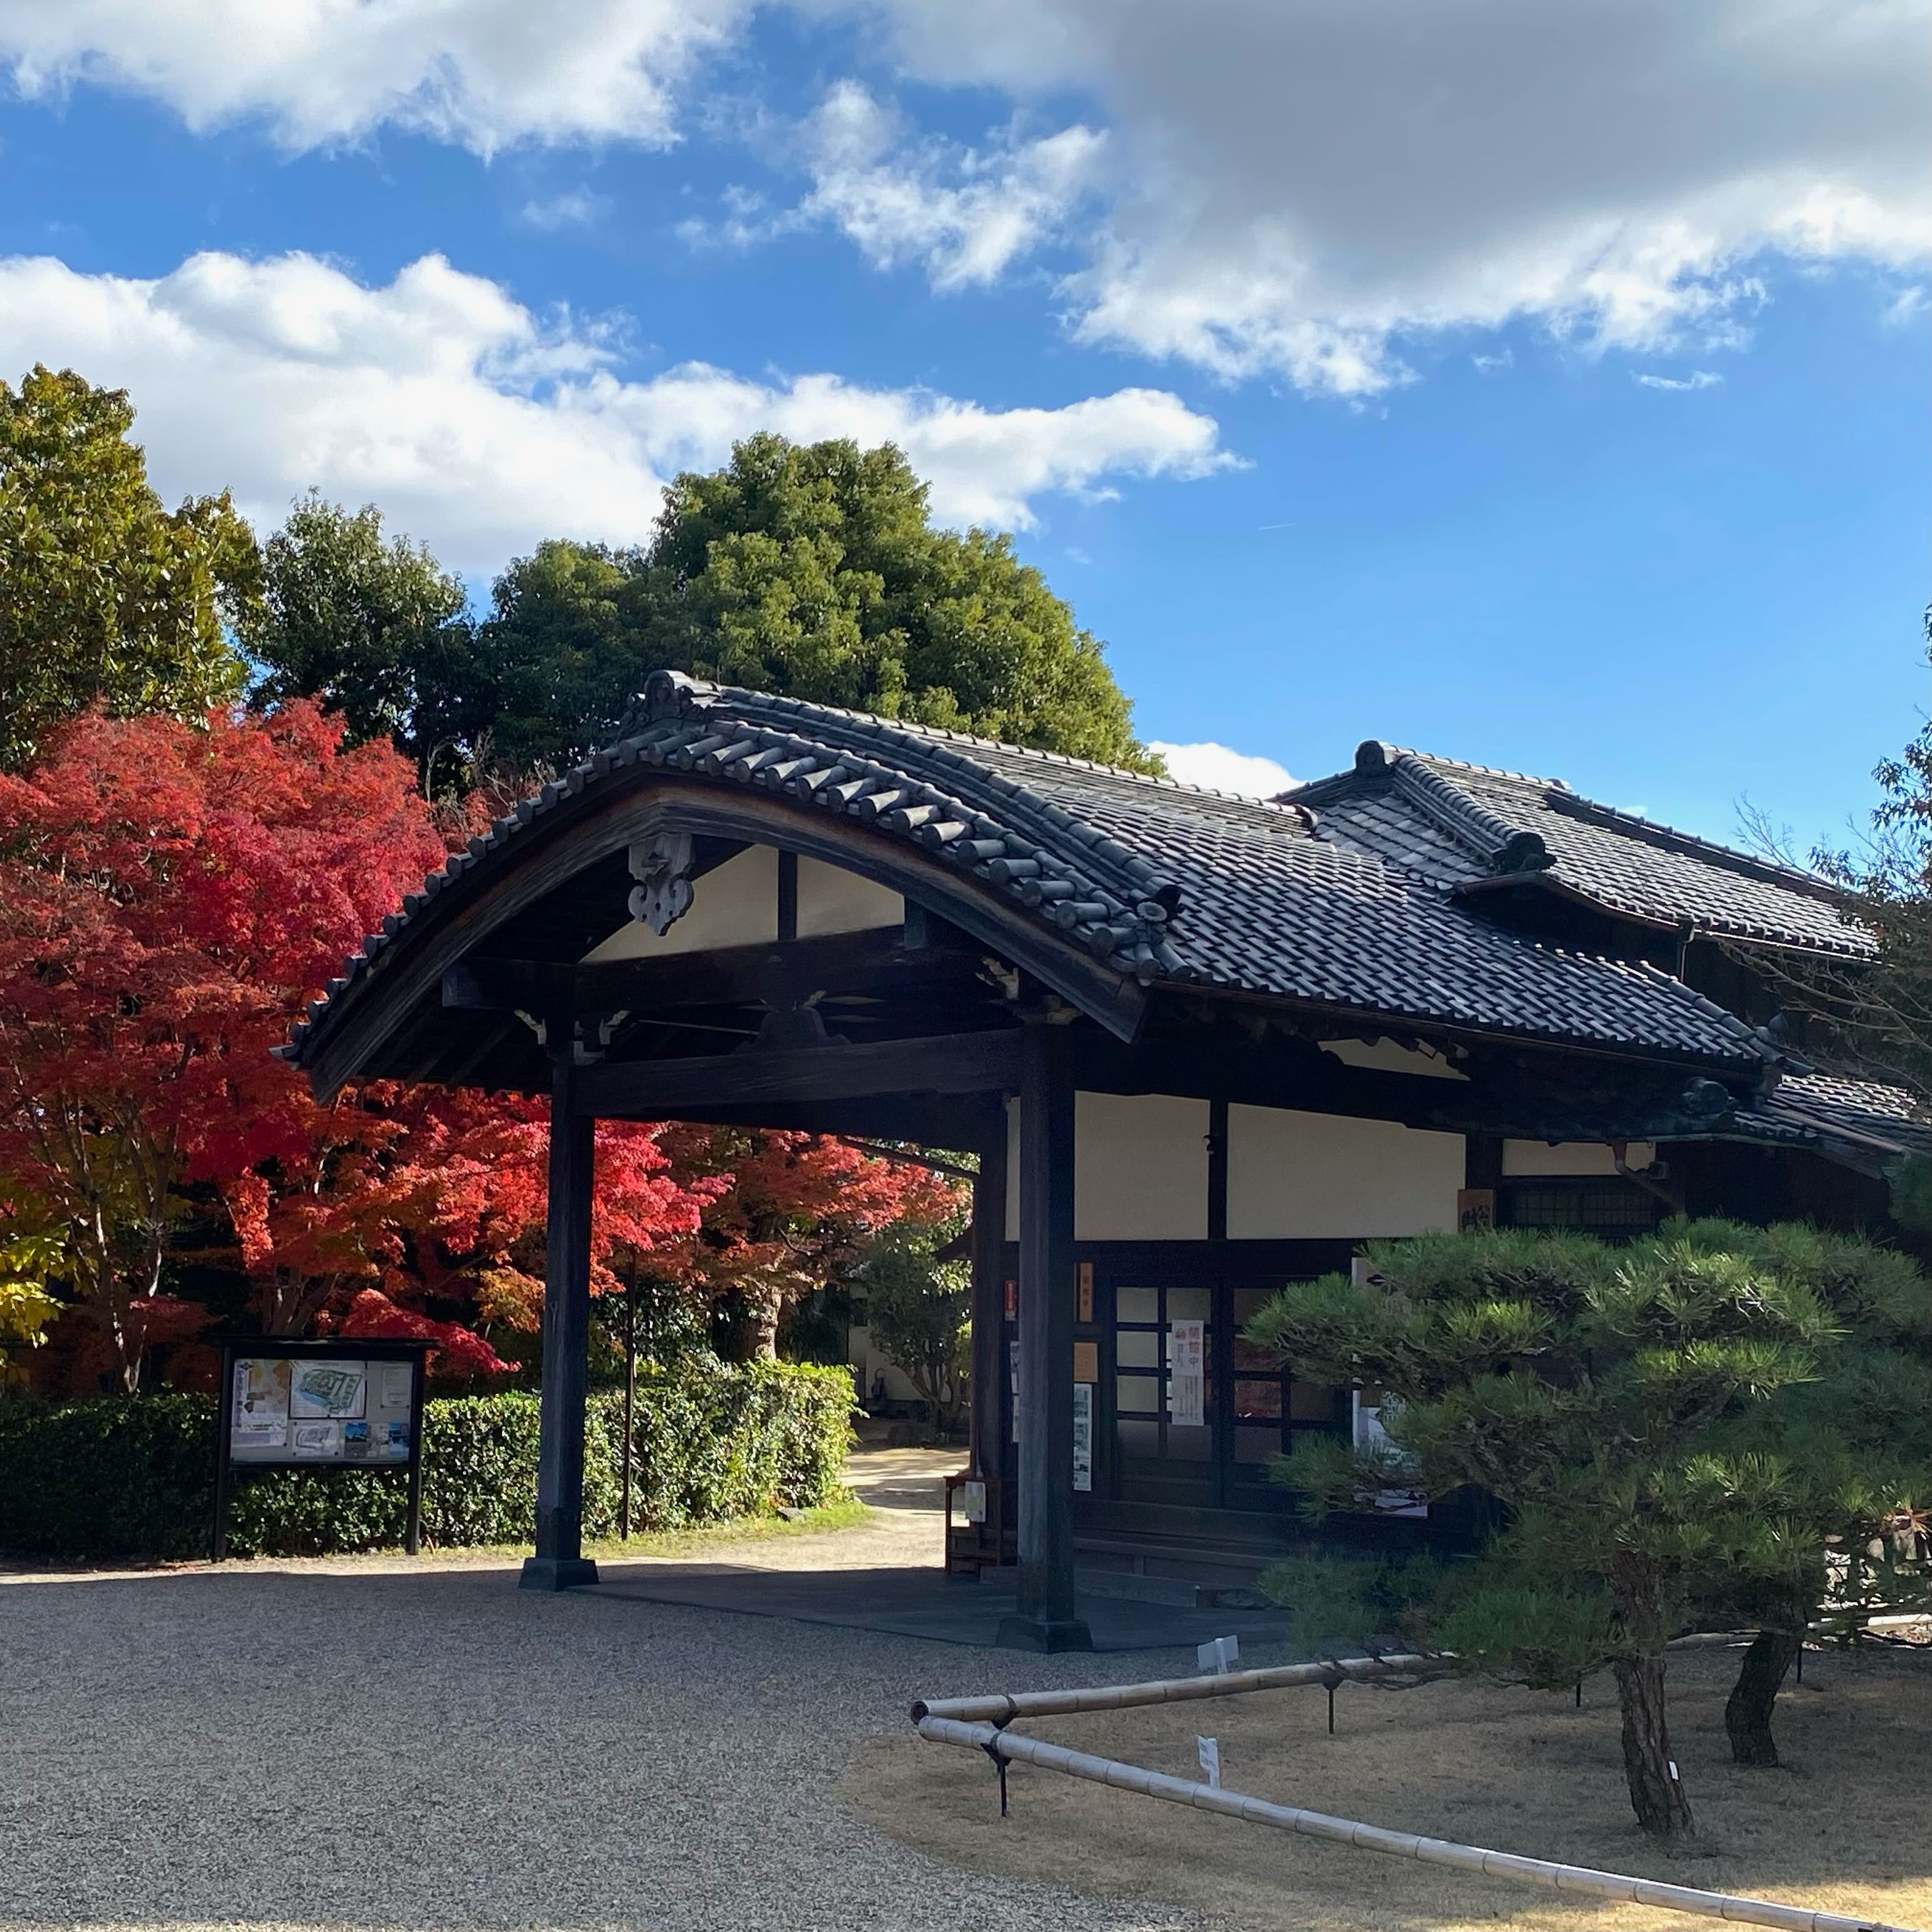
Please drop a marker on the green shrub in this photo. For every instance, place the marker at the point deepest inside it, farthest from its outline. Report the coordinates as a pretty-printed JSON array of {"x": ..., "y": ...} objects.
[{"x": 134, "y": 1476}]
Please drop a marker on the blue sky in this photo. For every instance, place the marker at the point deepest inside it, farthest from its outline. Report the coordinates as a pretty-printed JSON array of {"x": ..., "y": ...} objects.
[{"x": 1541, "y": 384}]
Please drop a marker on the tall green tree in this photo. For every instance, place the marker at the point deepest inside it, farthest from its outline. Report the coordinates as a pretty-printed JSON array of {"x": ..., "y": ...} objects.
[
  {"x": 811, "y": 570},
  {"x": 106, "y": 597},
  {"x": 375, "y": 629},
  {"x": 1586, "y": 1388}
]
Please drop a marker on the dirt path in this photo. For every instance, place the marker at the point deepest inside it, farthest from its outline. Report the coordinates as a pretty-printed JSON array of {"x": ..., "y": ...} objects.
[{"x": 904, "y": 1489}]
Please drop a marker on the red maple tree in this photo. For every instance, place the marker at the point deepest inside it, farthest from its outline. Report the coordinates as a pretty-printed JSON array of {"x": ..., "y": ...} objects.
[
  {"x": 791, "y": 1212},
  {"x": 170, "y": 897}
]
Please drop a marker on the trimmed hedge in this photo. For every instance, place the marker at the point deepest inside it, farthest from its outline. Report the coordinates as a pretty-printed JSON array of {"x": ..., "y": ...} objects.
[{"x": 133, "y": 1476}]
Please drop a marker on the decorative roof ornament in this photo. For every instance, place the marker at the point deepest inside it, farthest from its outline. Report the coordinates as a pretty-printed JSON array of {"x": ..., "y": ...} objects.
[{"x": 661, "y": 866}]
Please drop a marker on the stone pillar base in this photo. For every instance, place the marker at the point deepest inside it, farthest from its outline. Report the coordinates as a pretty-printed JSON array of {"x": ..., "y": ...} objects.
[
  {"x": 557, "y": 1572},
  {"x": 1044, "y": 1633}
]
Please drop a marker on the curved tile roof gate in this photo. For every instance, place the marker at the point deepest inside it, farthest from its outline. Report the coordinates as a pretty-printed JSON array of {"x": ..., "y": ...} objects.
[
  {"x": 1216, "y": 944},
  {"x": 1103, "y": 884}
]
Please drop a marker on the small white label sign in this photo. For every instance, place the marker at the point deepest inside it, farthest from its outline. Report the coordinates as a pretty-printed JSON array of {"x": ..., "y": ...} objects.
[{"x": 1186, "y": 1359}]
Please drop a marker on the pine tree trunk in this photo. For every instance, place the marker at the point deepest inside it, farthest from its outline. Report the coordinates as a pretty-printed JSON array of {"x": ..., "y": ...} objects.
[
  {"x": 1748, "y": 1708},
  {"x": 1656, "y": 1793}
]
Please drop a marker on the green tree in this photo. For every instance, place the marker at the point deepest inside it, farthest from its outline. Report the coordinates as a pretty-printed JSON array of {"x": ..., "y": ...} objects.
[
  {"x": 1826, "y": 1486},
  {"x": 917, "y": 1308},
  {"x": 814, "y": 570},
  {"x": 1585, "y": 1388},
  {"x": 374, "y": 629},
  {"x": 106, "y": 597}
]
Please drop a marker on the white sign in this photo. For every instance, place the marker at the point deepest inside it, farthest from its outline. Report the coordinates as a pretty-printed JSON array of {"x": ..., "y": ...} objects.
[
  {"x": 1209, "y": 1750},
  {"x": 261, "y": 1420},
  {"x": 1218, "y": 1655},
  {"x": 1083, "y": 1435},
  {"x": 1186, "y": 1359}
]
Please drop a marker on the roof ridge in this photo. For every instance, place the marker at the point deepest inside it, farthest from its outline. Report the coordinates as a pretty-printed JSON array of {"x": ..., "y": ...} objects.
[
  {"x": 741, "y": 698},
  {"x": 1590, "y": 811},
  {"x": 1376, "y": 756},
  {"x": 1469, "y": 765},
  {"x": 1499, "y": 843}
]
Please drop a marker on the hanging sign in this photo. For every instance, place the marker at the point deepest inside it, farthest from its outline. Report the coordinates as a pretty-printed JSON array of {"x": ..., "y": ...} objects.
[
  {"x": 1083, "y": 1436},
  {"x": 1186, "y": 1361}
]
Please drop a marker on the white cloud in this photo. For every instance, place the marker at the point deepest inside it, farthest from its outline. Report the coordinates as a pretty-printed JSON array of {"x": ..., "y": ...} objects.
[
  {"x": 1698, "y": 379},
  {"x": 482, "y": 72},
  {"x": 1907, "y": 306},
  {"x": 1304, "y": 188},
  {"x": 965, "y": 215},
  {"x": 481, "y": 427},
  {"x": 575, "y": 207},
  {"x": 1310, "y": 184},
  {"x": 1221, "y": 770}
]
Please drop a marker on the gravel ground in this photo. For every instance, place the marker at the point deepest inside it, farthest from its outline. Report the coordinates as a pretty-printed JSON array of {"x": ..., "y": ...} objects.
[{"x": 425, "y": 1746}]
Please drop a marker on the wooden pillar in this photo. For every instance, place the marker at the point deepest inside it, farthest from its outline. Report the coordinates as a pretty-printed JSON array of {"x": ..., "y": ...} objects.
[
  {"x": 1046, "y": 1619},
  {"x": 989, "y": 1309},
  {"x": 559, "y": 1563}
]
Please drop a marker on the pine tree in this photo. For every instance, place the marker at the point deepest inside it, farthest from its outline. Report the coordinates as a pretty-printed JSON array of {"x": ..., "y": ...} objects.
[{"x": 1586, "y": 1388}]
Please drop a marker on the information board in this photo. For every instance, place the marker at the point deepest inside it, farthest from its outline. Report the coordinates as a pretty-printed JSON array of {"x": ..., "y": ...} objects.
[
  {"x": 322, "y": 1409},
  {"x": 320, "y": 1405}
]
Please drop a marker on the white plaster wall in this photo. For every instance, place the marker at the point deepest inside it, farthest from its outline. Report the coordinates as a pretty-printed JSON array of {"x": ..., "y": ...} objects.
[
  {"x": 736, "y": 904},
  {"x": 1524, "y": 1158},
  {"x": 867, "y": 1359},
  {"x": 831, "y": 899},
  {"x": 1320, "y": 1176},
  {"x": 1140, "y": 1168}
]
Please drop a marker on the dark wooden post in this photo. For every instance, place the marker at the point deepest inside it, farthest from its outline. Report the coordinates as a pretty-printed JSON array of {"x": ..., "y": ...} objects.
[
  {"x": 985, "y": 1461},
  {"x": 559, "y": 1563},
  {"x": 630, "y": 1391},
  {"x": 1046, "y": 1619}
]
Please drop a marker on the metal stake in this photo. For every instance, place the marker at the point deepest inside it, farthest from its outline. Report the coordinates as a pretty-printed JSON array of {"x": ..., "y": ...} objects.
[{"x": 630, "y": 1391}]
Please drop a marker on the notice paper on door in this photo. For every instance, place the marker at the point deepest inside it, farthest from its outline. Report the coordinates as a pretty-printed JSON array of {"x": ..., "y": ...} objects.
[{"x": 1186, "y": 1361}]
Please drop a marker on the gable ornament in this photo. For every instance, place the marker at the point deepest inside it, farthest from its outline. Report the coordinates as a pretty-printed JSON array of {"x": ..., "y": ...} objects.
[{"x": 661, "y": 866}]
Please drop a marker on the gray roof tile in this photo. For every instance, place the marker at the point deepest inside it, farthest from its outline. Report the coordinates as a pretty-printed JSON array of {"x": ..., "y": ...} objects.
[
  {"x": 1166, "y": 881},
  {"x": 1455, "y": 824}
]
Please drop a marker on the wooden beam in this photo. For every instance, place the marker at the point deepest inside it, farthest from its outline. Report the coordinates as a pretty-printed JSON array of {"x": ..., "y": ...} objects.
[
  {"x": 559, "y": 1563},
  {"x": 1528, "y": 1094},
  {"x": 1048, "y": 1619},
  {"x": 784, "y": 972},
  {"x": 659, "y": 1089},
  {"x": 928, "y": 1120}
]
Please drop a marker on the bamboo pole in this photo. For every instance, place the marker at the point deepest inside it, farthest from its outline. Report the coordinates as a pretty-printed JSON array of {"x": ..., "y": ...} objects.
[
  {"x": 1111, "y": 1771},
  {"x": 1003, "y": 1707}
]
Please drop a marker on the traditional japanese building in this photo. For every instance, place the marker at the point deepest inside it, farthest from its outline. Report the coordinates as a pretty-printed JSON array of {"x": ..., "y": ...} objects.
[{"x": 1201, "y": 1045}]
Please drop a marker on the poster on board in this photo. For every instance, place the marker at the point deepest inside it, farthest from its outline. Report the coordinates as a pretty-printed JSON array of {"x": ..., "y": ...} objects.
[
  {"x": 261, "y": 1420},
  {"x": 321, "y": 1409},
  {"x": 1083, "y": 1436},
  {"x": 1186, "y": 1361}
]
